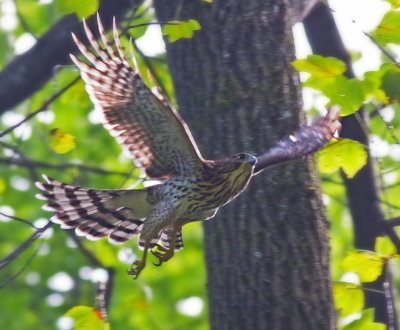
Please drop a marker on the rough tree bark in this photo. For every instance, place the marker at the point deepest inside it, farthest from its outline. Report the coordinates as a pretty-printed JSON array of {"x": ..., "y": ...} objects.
[
  {"x": 267, "y": 253},
  {"x": 362, "y": 192}
]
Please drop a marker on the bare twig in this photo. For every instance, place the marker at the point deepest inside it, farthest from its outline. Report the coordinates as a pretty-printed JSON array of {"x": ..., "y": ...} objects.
[
  {"x": 381, "y": 48},
  {"x": 391, "y": 233},
  {"x": 29, "y": 163},
  {"x": 18, "y": 219},
  {"x": 42, "y": 108},
  {"x": 94, "y": 261},
  {"x": 22, "y": 247},
  {"x": 104, "y": 288},
  {"x": 28, "y": 72},
  {"x": 19, "y": 272}
]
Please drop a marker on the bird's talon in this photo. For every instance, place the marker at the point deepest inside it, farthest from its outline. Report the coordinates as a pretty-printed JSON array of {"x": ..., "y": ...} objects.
[
  {"x": 158, "y": 264},
  {"x": 162, "y": 254},
  {"x": 136, "y": 268}
]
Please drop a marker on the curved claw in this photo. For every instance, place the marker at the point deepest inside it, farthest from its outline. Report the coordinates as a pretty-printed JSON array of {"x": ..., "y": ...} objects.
[
  {"x": 162, "y": 254},
  {"x": 159, "y": 256},
  {"x": 158, "y": 264},
  {"x": 136, "y": 268}
]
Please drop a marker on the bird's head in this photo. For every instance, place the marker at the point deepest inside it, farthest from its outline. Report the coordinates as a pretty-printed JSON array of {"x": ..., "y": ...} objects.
[
  {"x": 236, "y": 163},
  {"x": 245, "y": 158}
]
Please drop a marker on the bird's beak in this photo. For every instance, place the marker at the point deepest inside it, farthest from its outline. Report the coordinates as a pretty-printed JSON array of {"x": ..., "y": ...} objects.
[{"x": 253, "y": 161}]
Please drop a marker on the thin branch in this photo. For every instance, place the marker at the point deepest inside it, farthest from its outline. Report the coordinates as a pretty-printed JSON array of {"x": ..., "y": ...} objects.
[
  {"x": 19, "y": 272},
  {"x": 87, "y": 253},
  {"x": 19, "y": 220},
  {"x": 16, "y": 150},
  {"x": 388, "y": 227},
  {"x": 28, "y": 72},
  {"x": 152, "y": 23},
  {"x": 42, "y": 108},
  {"x": 104, "y": 288},
  {"x": 381, "y": 48},
  {"x": 393, "y": 222},
  {"x": 29, "y": 163},
  {"x": 26, "y": 244}
]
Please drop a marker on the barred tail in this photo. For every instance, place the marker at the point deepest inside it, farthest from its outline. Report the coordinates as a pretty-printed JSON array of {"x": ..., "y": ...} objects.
[
  {"x": 95, "y": 213},
  {"x": 167, "y": 240}
]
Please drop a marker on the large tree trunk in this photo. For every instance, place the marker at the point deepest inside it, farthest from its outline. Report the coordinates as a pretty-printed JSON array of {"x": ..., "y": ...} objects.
[{"x": 267, "y": 252}]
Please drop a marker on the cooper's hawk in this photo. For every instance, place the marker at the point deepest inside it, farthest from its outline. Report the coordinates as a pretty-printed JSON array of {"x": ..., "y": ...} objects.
[{"x": 156, "y": 137}]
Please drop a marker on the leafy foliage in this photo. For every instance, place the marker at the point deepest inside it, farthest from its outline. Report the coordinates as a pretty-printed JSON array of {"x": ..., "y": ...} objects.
[
  {"x": 61, "y": 142},
  {"x": 152, "y": 301},
  {"x": 365, "y": 322},
  {"x": 367, "y": 264},
  {"x": 81, "y": 8},
  {"x": 87, "y": 318},
  {"x": 388, "y": 29},
  {"x": 345, "y": 154},
  {"x": 320, "y": 66},
  {"x": 176, "y": 30},
  {"x": 349, "y": 298}
]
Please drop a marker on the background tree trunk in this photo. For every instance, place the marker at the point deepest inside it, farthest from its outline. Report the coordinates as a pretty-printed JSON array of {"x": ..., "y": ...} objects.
[
  {"x": 267, "y": 253},
  {"x": 362, "y": 191}
]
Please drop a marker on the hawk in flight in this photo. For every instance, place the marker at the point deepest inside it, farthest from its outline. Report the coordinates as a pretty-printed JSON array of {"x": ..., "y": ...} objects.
[{"x": 159, "y": 141}]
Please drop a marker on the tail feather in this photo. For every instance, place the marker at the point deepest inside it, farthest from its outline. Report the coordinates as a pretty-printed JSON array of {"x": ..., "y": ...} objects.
[
  {"x": 167, "y": 239},
  {"x": 95, "y": 213},
  {"x": 153, "y": 242}
]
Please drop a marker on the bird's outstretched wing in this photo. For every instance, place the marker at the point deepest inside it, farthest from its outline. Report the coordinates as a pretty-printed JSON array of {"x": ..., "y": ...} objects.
[
  {"x": 305, "y": 141},
  {"x": 145, "y": 124}
]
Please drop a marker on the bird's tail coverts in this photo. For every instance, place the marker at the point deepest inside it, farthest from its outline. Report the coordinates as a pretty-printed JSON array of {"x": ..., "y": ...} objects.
[
  {"x": 167, "y": 240},
  {"x": 93, "y": 213}
]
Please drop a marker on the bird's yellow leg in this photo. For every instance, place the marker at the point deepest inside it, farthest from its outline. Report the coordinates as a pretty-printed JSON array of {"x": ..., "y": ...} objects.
[
  {"x": 138, "y": 265},
  {"x": 163, "y": 254}
]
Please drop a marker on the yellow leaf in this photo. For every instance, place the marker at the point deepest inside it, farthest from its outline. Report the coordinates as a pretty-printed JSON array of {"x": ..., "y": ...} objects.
[
  {"x": 349, "y": 298},
  {"x": 2, "y": 186},
  {"x": 87, "y": 318},
  {"x": 349, "y": 155},
  {"x": 367, "y": 264},
  {"x": 320, "y": 66},
  {"x": 176, "y": 30},
  {"x": 385, "y": 246},
  {"x": 61, "y": 142}
]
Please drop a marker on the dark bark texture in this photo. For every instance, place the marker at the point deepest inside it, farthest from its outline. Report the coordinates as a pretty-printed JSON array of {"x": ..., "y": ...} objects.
[
  {"x": 267, "y": 252},
  {"x": 362, "y": 192}
]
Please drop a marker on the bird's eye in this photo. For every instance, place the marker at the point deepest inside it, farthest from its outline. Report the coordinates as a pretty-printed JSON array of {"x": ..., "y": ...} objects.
[{"x": 241, "y": 156}]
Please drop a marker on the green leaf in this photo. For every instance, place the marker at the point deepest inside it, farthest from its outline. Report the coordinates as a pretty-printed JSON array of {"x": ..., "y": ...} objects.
[
  {"x": 87, "y": 318},
  {"x": 3, "y": 186},
  {"x": 349, "y": 155},
  {"x": 371, "y": 85},
  {"x": 349, "y": 298},
  {"x": 176, "y": 30},
  {"x": 367, "y": 264},
  {"x": 320, "y": 66},
  {"x": 365, "y": 322},
  {"x": 394, "y": 3},
  {"x": 81, "y": 8},
  {"x": 391, "y": 83},
  {"x": 348, "y": 94},
  {"x": 388, "y": 30},
  {"x": 385, "y": 246}
]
